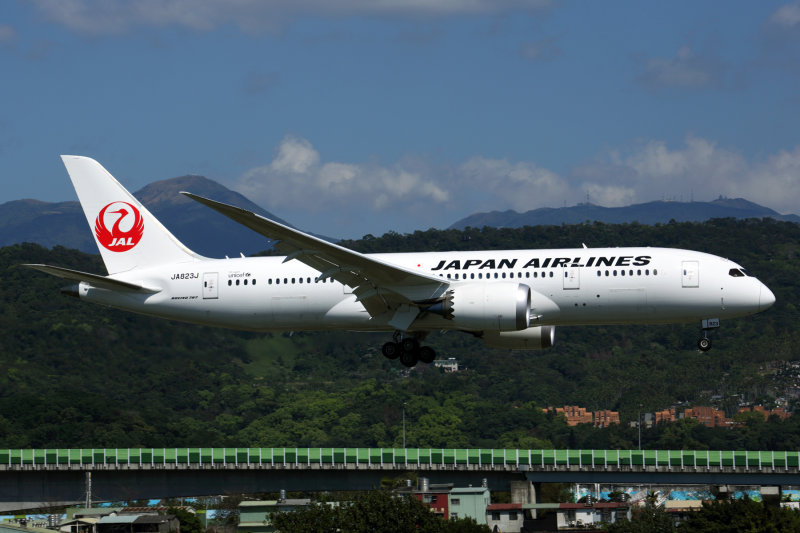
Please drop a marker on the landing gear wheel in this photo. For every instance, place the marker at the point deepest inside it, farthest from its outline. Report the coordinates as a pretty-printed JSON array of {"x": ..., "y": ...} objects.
[
  {"x": 704, "y": 344},
  {"x": 409, "y": 344},
  {"x": 391, "y": 350},
  {"x": 409, "y": 359},
  {"x": 427, "y": 354}
]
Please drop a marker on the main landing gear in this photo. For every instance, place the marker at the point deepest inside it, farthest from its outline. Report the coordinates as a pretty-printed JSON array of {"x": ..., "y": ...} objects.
[
  {"x": 408, "y": 350},
  {"x": 704, "y": 344}
]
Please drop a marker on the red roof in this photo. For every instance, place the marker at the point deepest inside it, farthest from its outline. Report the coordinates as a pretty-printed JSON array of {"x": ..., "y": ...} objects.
[{"x": 504, "y": 507}]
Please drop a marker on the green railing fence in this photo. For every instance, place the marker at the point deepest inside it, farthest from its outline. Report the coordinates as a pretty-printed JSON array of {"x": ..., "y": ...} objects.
[{"x": 395, "y": 457}]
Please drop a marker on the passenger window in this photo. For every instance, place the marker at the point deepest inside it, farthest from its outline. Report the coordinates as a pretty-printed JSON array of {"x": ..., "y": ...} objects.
[
  {"x": 237, "y": 282},
  {"x": 245, "y": 282},
  {"x": 254, "y": 281},
  {"x": 551, "y": 274},
  {"x": 655, "y": 272},
  {"x": 229, "y": 283}
]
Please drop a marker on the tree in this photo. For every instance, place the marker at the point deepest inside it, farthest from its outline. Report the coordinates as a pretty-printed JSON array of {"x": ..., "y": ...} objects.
[
  {"x": 189, "y": 521},
  {"x": 374, "y": 511},
  {"x": 647, "y": 519},
  {"x": 742, "y": 515}
]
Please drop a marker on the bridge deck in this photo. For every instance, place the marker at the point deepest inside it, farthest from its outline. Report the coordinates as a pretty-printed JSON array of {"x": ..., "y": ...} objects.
[{"x": 110, "y": 458}]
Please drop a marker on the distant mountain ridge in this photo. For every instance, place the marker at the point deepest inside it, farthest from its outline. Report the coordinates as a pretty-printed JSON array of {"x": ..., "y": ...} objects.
[
  {"x": 202, "y": 229},
  {"x": 646, "y": 213}
]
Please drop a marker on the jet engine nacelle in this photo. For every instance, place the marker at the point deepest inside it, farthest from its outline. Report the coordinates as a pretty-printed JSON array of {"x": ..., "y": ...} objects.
[
  {"x": 535, "y": 338},
  {"x": 487, "y": 306}
]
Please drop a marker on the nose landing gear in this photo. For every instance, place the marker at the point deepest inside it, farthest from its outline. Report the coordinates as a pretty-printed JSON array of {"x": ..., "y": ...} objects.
[
  {"x": 704, "y": 344},
  {"x": 408, "y": 350}
]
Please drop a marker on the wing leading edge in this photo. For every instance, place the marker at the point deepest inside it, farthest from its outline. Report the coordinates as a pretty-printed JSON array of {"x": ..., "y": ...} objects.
[{"x": 383, "y": 288}]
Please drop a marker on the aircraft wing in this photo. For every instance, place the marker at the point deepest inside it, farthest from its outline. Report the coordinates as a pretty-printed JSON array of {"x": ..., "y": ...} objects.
[
  {"x": 101, "y": 282},
  {"x": 381, "y": 287}
]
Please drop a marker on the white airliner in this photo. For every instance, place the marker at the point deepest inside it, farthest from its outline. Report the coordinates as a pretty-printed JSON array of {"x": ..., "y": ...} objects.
[{"x": 508, "y": 298}]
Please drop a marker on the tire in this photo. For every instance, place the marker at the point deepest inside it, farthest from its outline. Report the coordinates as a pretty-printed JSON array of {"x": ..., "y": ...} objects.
[
  {"x": 409, "y": 344},
  {"x": 391, "y": 350},
  {"x": 409, "y": 359},
  {"x": 427, "y": 355},
  {"x": 704, "y": 344}
]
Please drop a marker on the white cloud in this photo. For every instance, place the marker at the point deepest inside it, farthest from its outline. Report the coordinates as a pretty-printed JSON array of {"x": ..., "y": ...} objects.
[
  {"x": 774, "y": 182},
  {"x": 296, "y": 178},
  {"x": 541, "y": 50},
  {"x": 114, "y": 16},
  {"x": 686, "y": 70},
  {"x": 787, "y": 16},
  {"x": 7, "y": 33},
  {"x": 699, "y": 169},
  {"x": 778, "y": 40},
  {"x": 413, "y": 193},
  {"x": 520, "y": 186}
]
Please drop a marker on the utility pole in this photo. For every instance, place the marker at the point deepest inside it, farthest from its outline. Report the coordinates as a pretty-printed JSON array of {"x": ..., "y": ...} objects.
[
  {"x": 639, "y": 423},
  {"x": 404, "y": 425},
  {"x": 88, "y": 500}
]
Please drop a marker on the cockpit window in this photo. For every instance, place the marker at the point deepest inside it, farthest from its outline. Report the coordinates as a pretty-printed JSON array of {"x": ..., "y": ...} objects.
[{"x": 736, "y": 273}]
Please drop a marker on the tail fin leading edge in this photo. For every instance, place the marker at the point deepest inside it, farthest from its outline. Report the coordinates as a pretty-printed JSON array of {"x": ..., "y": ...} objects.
[{"x": 127, "y": 234}]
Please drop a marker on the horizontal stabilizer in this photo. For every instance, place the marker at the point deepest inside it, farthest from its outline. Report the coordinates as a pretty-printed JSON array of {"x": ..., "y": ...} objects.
[{"x": 101, "y": 282}]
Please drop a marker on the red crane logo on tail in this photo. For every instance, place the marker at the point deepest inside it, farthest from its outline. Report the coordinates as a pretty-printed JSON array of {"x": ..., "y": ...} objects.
[{"x": 126, "y": 231}]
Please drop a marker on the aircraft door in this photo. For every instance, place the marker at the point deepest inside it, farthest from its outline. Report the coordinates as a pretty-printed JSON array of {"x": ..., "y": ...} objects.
[
  {"x": 690, "y": 274},
  {"x": 210, "y": 289},
  {"x": 572, "y": 278}
]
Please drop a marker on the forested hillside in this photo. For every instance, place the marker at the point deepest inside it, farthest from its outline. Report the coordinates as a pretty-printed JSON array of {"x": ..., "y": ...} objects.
[{"x": 77, "y": 375}]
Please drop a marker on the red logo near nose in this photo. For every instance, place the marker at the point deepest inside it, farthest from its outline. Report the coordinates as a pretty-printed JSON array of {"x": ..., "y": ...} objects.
[{"x": 126, "y": 230}]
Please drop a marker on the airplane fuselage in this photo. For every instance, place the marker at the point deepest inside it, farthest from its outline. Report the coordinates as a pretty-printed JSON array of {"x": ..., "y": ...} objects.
[{"x": 581, "y": 286}]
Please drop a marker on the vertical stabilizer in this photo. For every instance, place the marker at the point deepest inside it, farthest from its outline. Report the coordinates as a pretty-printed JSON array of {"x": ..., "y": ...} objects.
[{"x": 127, "y": 234}]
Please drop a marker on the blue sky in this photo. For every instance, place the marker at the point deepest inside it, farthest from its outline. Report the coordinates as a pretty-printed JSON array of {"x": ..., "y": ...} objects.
[{"x": 356, "y": 116}]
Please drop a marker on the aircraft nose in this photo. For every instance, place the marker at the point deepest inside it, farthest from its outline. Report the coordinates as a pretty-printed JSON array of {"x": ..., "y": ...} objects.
[{"x": 765, "y": 298}]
